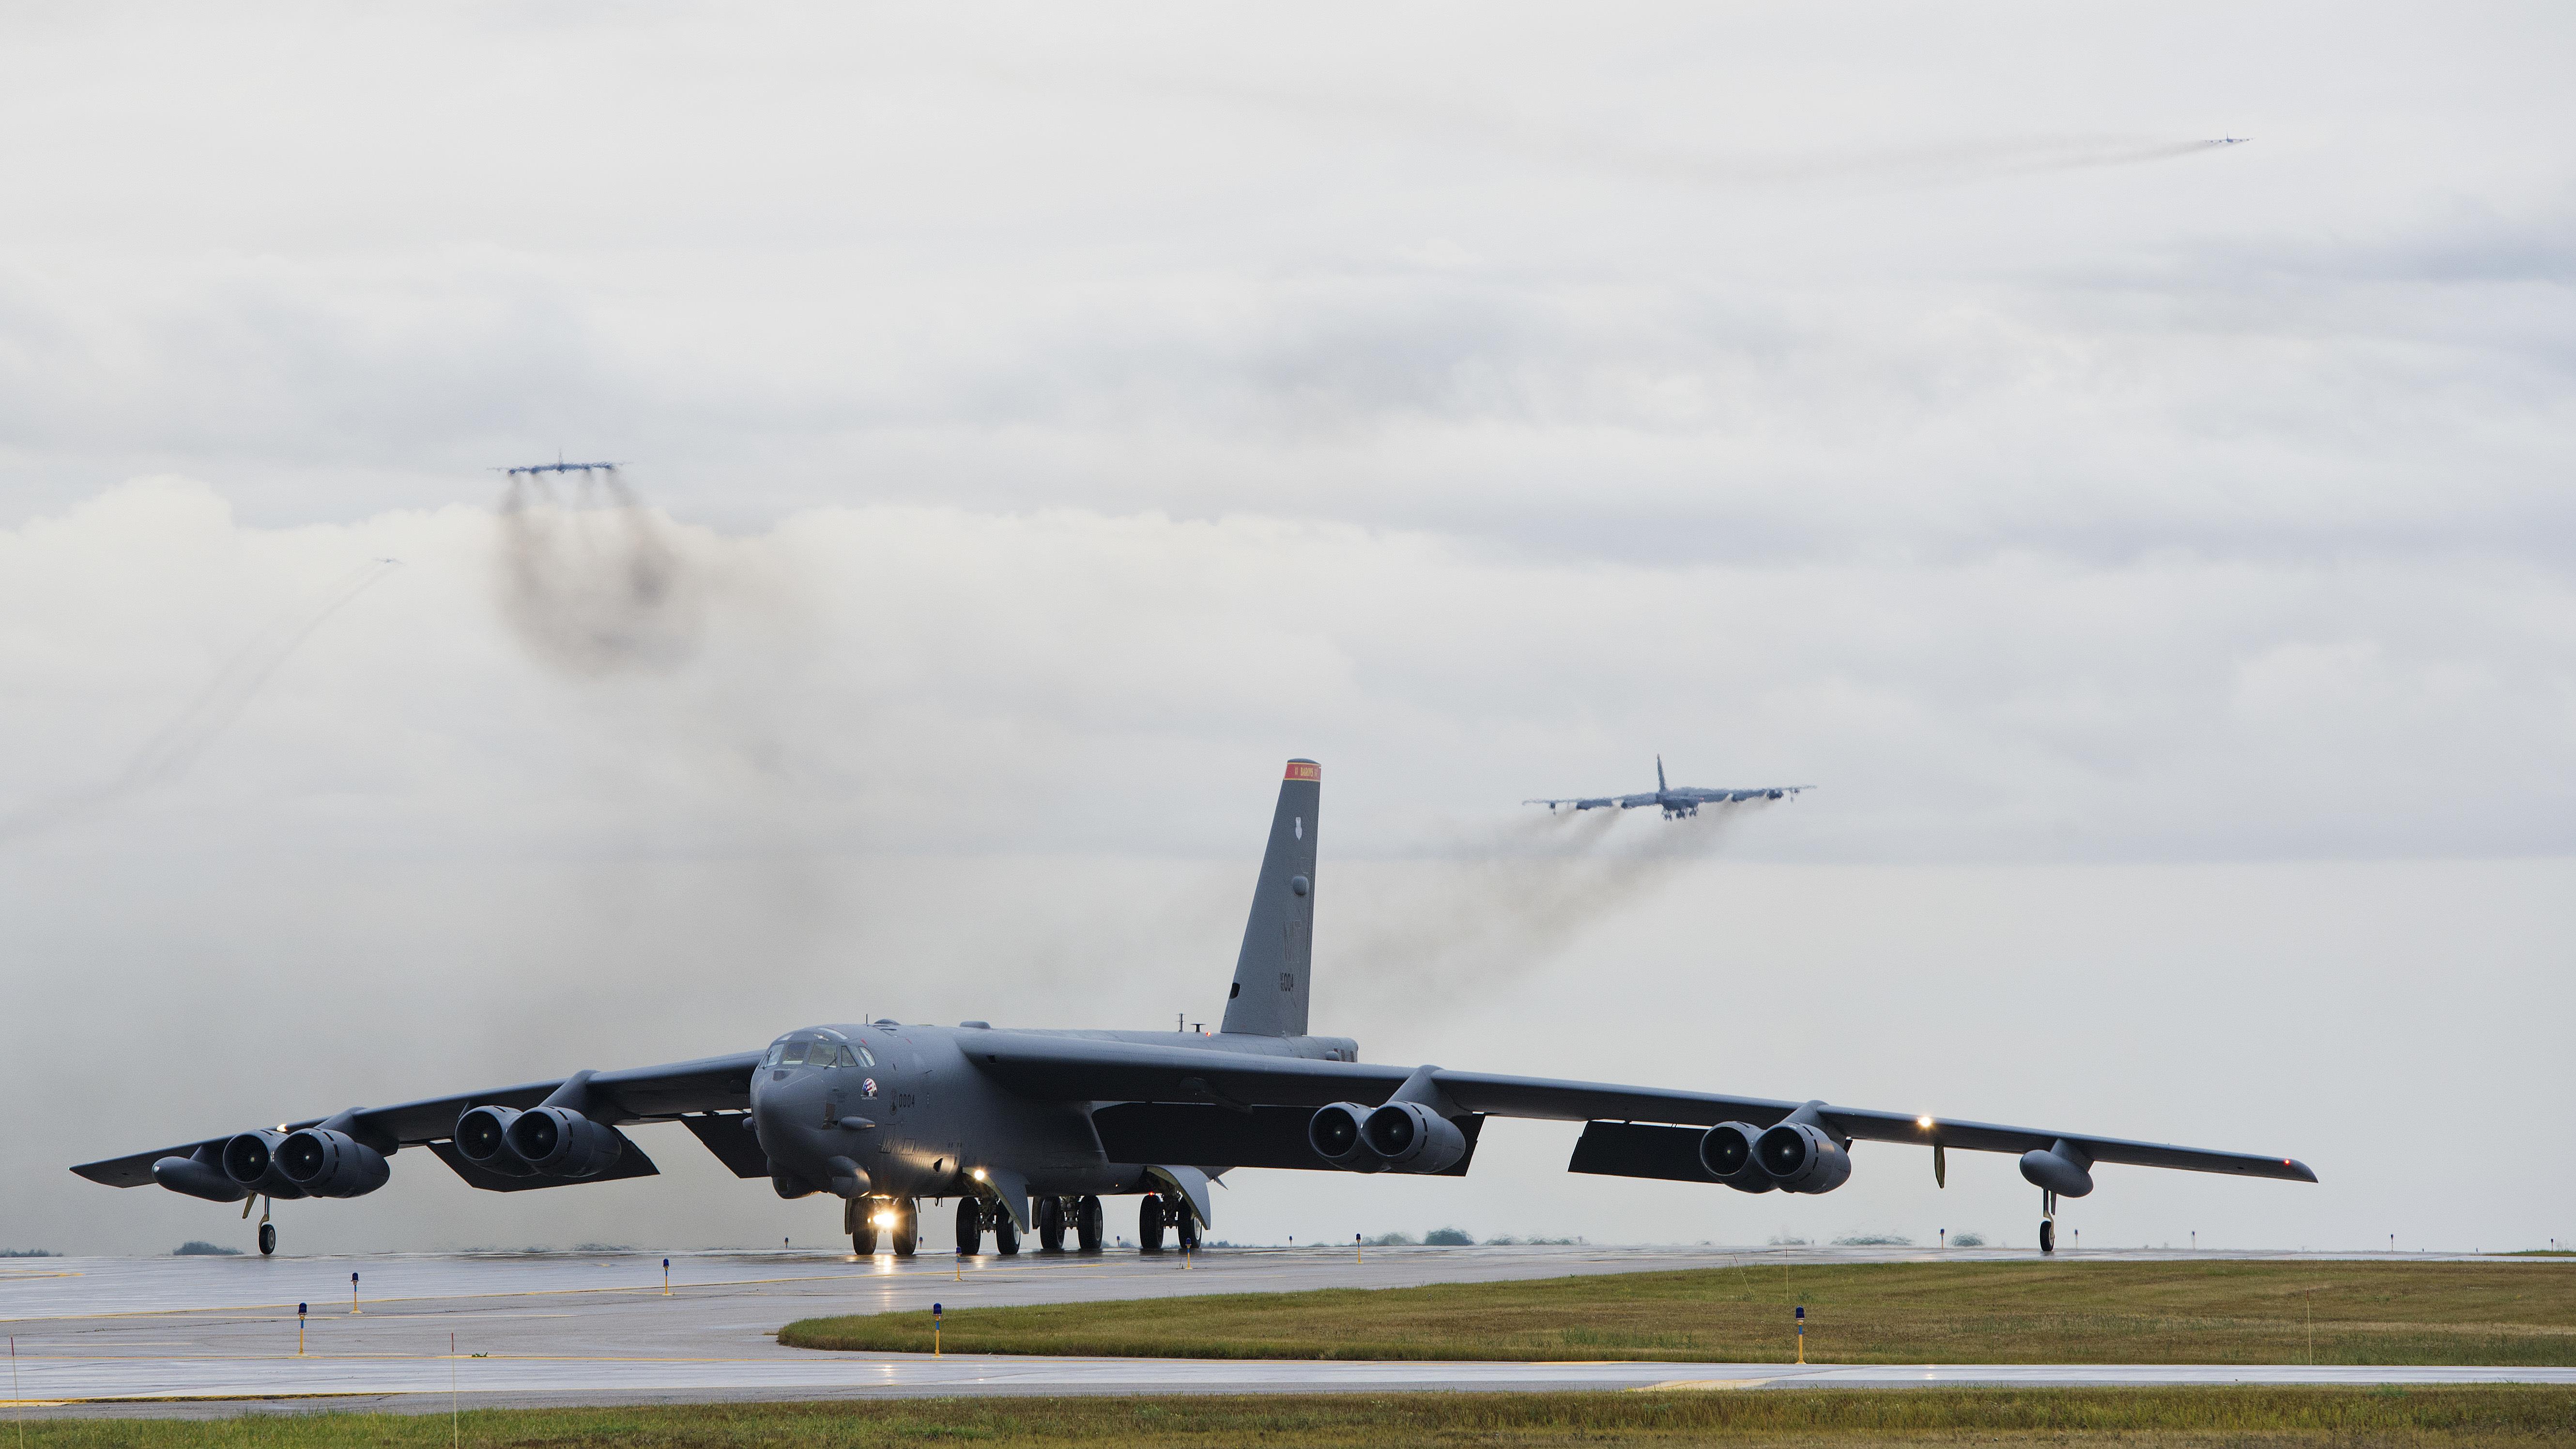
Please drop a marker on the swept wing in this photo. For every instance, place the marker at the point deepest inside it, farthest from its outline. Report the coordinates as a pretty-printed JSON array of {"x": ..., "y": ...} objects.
[
  {"x": 1040, "y": 1065},
  {"x": 638, "y": 1094}
]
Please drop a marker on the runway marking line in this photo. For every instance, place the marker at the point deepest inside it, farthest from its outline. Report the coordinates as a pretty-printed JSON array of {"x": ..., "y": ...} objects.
[{"x": 1673, "y": 1384}]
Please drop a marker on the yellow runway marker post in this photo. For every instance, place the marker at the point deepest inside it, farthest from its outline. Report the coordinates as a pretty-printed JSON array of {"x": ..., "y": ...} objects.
[
  {"x": 299, "y": 1330},
  {"x": 934, "y": 1330}
]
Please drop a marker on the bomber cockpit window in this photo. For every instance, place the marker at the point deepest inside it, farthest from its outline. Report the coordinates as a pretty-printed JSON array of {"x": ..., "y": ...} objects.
[
  {"x": 849, "y": 1058},
  {"x": 777, "y": 1053}
]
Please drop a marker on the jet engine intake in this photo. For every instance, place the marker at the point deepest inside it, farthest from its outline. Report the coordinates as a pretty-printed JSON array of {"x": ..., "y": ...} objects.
[
  {"x": 1802, "y": 1157},
  {"x": 251, "y": 1160},
  {"x": 1410, "y": 1137},
  {"x": 1335, "y": 1134},
  {"x": 2062, "y": 1168},
  {"x": 331, "y": 1164},
  {"x": 1727, "y": 1152},
  {"x": 560, "y": 1142},
  {"x": 483, "y": 1136}
]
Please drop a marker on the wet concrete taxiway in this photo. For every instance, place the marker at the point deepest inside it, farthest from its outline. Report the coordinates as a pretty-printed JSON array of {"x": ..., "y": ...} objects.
[{"x": 221, "y": 1336}]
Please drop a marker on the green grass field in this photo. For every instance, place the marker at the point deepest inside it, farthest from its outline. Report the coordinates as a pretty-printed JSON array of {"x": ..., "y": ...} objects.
[
  {"x": 2166, "y": 1418},
  {"x": 2521, "y": 1313}
]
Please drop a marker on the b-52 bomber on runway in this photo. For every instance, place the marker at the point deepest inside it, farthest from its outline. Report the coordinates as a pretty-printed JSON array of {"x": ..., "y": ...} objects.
[
  {"x": 1677, "y": 804},
  {"x": 1030, "y": 1129}
]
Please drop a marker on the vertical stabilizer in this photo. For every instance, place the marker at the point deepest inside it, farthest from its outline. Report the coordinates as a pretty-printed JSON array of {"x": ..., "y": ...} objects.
[
  {"x": 1660, "y": 786},
  {"x": 1271, "y": 975}
]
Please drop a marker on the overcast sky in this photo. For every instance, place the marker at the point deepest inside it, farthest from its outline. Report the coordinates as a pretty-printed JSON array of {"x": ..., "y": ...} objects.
[{"x": 2159, "y": 554}]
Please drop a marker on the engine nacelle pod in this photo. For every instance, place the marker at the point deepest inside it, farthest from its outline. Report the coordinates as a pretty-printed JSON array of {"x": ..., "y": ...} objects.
[
  {"x": 198, "y": 1179},
  {"x": 1413, "y": 1138},
  {"x": 483, "y": 1138},
  {"x": 332, "y": 1164},
  {"x": 1802, "y": 1157},
  {"x": 560, "y": 1142},
  {"x": 1335, "y": 1134},
  {"x": 2064, "y": 1169},
  {"x": 250, "y": 1159},
  {"x": 1727, "y": 1152}
]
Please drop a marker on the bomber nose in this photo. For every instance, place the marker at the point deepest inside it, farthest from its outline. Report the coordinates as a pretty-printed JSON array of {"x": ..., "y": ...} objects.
[{"x": 774, "y": 1105}]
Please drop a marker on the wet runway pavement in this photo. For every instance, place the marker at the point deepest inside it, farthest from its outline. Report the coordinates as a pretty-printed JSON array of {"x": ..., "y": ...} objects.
[{"x": 219, "y": 1335}]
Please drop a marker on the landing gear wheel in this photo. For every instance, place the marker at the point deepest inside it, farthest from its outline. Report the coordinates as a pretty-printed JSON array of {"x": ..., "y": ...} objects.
[
  {"x": 1006, "y": 1233},
  {"x": 970, "y": 1226},
  {"x": 2047, "y": 1236},
  {"x": 267, "y": 1239},
  {"x": 862, "y": 1214},
  {"x": 1149, "y": 1225},
  {"x": 1087, "y": 1232},
  {"x": 1189, "y": 1225},
  {"x": 907, "y": 1226},
  {"x": 1050, "y": 1225}
]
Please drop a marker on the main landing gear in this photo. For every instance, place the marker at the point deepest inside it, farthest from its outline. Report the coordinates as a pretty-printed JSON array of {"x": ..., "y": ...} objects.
[
  {"x": 1055, "y": 1214},
  {"x": 1157, "y": 1212},
  {"x": 974, "y": 1214},
  {"x": 903, "y": 1233}
]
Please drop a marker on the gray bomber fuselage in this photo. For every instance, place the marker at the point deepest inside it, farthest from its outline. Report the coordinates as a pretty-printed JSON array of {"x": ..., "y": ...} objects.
[{"x": 931, "y": 1117}]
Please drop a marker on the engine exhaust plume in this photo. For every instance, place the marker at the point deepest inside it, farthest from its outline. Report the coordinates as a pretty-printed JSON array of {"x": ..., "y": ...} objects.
[
  {"x": 1492, "y": 904},
  {"x": 592, "y": 581},
  {"x": 168, "y": 754}
]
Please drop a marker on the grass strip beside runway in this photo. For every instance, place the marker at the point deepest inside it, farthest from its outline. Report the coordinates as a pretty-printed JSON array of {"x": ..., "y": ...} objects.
[
  {"x": 2067, "y": 1311},
  {"x": 2166, "y": 1418}
]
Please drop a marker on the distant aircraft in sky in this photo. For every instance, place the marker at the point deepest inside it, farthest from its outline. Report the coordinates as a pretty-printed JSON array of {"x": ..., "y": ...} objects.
[
  {"x": 559, "y": 466},
  {"x": 1677, "y": 804},
  {"x": 2231, "y": 140}
]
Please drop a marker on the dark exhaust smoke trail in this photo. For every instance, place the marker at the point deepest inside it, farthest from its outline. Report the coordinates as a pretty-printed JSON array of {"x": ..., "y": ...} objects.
[
  {"x": 168, "y": 754},
  {"x": 595, "y": 582},
  {"x": 1501, "y": 902}
]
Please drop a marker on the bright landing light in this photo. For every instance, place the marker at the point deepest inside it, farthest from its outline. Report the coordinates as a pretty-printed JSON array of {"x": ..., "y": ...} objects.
[
  {"x": 883, "y": 1220},
  {"x": 1922, "y": 1121},
  {"x": 979, "y": 1174}
]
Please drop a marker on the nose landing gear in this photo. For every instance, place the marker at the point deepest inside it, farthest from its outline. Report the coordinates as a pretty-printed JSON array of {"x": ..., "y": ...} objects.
[
  {"x": 1086, "y": 1224},
  {"x": 906, "y": 1229},
  {"x": 970, "y": 1226},
  {"x": 859, "y": 1215},
  {"x": 1050, "y": 1225},
  {"x": 1149, "y": 1224}
]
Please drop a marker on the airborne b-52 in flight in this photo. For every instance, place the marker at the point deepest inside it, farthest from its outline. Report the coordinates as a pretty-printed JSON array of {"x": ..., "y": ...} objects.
[
  {"x": 1677, "y": 803},
  {"x": 1029, "y": 1129}
]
